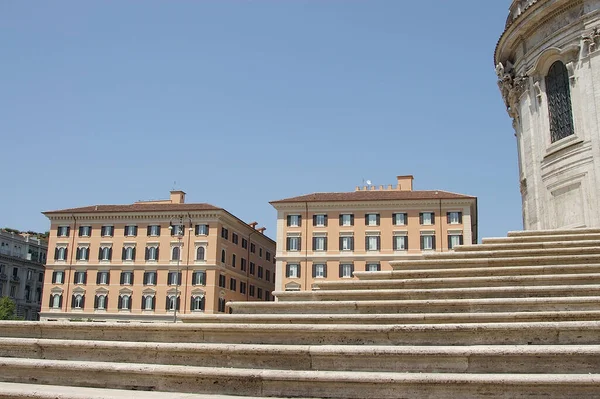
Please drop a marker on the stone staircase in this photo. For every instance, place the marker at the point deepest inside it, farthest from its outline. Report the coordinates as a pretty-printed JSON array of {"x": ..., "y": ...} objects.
[{"x": 514, "y": 317}]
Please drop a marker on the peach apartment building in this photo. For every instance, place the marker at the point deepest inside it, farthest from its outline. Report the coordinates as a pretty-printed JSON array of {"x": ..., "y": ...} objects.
[
  {"x": 153, "y": 261},
  {"x": 331, "y": 235}
]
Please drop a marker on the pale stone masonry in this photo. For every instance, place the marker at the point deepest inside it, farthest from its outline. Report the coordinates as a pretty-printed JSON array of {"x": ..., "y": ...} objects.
[
  {"x": 329, "y": 236},
  {"x": 548, "y": 66},
  {"x": 149, "y": 260}
]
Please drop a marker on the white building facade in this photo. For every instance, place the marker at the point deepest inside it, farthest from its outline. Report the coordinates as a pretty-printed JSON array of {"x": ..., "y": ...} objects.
[
  {"x": 22, "y": 260},
  {"x": 548, "y": 66}
]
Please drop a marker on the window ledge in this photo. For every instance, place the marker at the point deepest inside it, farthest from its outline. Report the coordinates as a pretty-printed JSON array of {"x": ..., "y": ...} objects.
[{"x": 562, "y": 144}]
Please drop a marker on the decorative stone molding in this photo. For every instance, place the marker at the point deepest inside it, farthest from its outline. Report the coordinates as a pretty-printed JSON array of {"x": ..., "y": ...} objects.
[
  {"x": 589, "y": 42},
  {"x": 511, "y": 87},
  {"x": 517, "y": 8}
]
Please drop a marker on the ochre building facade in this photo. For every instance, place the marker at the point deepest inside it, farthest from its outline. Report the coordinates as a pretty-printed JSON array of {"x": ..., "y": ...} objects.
[
  {"x": 153, "y": 261},
  {"x": 325, "y": 236}
]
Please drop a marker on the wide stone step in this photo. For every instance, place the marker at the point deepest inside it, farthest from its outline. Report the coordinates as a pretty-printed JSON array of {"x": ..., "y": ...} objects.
[
  {"x": 520, "y": 246},
  {"x": 11, "y": 390},
  {"x": 555, "y": 232},
  {"x": 293, "y": 383},
  {"x": 522, "y": 333},
  {"x": 431, "y": 262},
  {"x": 441, "y": 293},
  {"x": 564, "y": 359},
  {"x": 421, "y": 305},
  {"x": 482, "y": 271},
  {"x": 512, "y": 253},
  {"x": 411, "y": 318},
  {"x": 541, "y": 238},
  {"x": 461, "y": 282}
]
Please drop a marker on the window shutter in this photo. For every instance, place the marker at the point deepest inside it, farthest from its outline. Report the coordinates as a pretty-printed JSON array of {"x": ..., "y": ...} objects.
[
  {"x": 50, "y": 303},
  {"x": 83, "y": 301},
  {"x": 147, "y": 232},
  {"x": 68, "y": 231},
  {"x": 449, "y": 242},
  {"x": 167, "y": 303},
  {"x": 422, "y": 243},
  {"x": 53, "y": 277},
  {"x": 314, "y": 243},
  {"x": 135, "y": 231},
  {"x": 80, "y": 231},
  {"x": 203, "y": 278},
  {"x": 287, "y": 244},
  {"x": 299, "y": 270},
  {"x": 394, "y": 243},
  {"x": 60, "y": 301},
  {"x": 299, "y": 243},
  {"x": 289, "y": 220},
  {"x": 460, "y": 240},
  {"x": 84, "y": 277},
  {"x": 325, "y": 270},
  {"x": 325, "y": 217},
  {"x": 406, "y": 243},
  {"x": 120, "y": 302},
  {"x": 73, "y": 301},
  {"x": 75, "y": 277},
  {"x": 325, "y": 244},
  {"x": 341, "y": 240},
  {"x": 314, "y": 270},
  {"x": 351, "y": 220},
  {"x": 106, "y": 302},
  {"x": 287, "y": 271},
  {"x": 352, "y": 270},
  {"x": 299, "y": 220},
  {"x": 133, "y": 254},
  {"x": 178, "y": 302},
  {"x": 147, "y": 254},
  {"x": 366, "y": 243},
  {"x": 420, "y": 217},
  {"x": 100, "y": 253},
  {"x": 433, "y": 242},
  {"x": 123, "y": 253},
  {"x": 202, "y": 303},
  {"x": 110, "y": 253},
  {"x": 66, "y": 253},
  {"x": 432, "y": 217},
  {"x": 378, "y": 243},
  {"x": 378, "y": 217},
  {"x": 194, "y": 274},
  {"x": 314, "y": 220},
  {"x": 341, "y": 220},
  {"x": 108, "y": 278},
  {"x": 87, "y": 254},
  {"x": 157, "y": 253},
  {"x": 366, "y": 219},
  {"x": 191, "y": 303},
  {"x": 394, "y": 219},
  {"x": 145, "y": 278},
  {"x": 98, "y": 277},
  {"x": 122, "y": 279},
  {"x": 55, "y": 253},
  {"x": 341, "y": 270},
  {"x": 178, "y": 278},
  {"x": 78, "y": 253},
  {"x": 153, "y": 302},
  {"x": 460, "y": 217}
]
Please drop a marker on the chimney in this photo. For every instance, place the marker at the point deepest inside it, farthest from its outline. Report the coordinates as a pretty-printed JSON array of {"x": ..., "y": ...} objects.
[
  {"x": 177, "y": 197},
  {"x": 405, "y": 183},
  {"x": 261, "y": 230},
  {"x": 253, "y": 225}
]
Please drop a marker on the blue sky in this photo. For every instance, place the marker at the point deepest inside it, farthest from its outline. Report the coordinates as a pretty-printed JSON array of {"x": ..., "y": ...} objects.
[{"x": 245, "y": 102}]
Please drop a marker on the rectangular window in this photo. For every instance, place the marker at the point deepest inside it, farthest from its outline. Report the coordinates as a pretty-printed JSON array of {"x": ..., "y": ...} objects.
[
  {"x": 199, "y": 278},
  {"x": 400, "y": 219},
  {"x": 260, "y": 252},
  {"x": 102, "y": 278},
  {"x": 454, "y": 240},
  {"x": 346, "y": 270},
  {"x": 427, "y": 242},
  {"x": 252, "y": 248},
  {"x": 427, "y": 218},
  {"x": 150, "y": 278},
  {"x": 201, "y": 229},
  {"x": 244, "y": 243},
  {"x": 259, "y": 292},
  {"x": 177, "y": 230},
  {"x": 130, "y": 231},
  {"x": 221, "y": 305},
  {"x": 58, "y": 277},
  {"x": 346, "y": 219},
  {"x": 267, "y": 295},
  {"x": 124, "y": 302},
  {"x": 346, "y": 243},
  {"x": 320, "y": 220},
  {"x": 154, "y": 230},
  {"x": 454, "y": 217},
  {"x": 80, "y": 278},
  {"x": 63, "y": 231},
  {"x": 260, "y": 272},
  {"x": 293, "y": 244},
  {"x": 292, "y": 270},
  {"x": 268, "y": 256},
  {"x": 85, "y": 231},
  {"x": 372, "y": 243},
  {"x": 222, "y": 280},
  {"x": 251, "y": 290},
  {"x": 372, "y": 219},
  {"x": 174, "y": 278},
  {"x": 400, "y": 243},
  {"x": 107, "y": 231},
  {"x": 242, "y": 287},
  {"x": 252, "y": 268},
  {"x": 233, "y": 259},
  {"x": 319, "y": 243},
  {"x": 224, "y": 233},
  {"x": 234, "y": 238},
  {"x": 126, "y": 278},
  {"x": 83, "y": 253},
  {"x": 319, "y": 270},
  {"x": 243, "y": 264},
  {"x": 232, "y": 284},
  {"x": 294, "y": 220},
  {"x": 268, "y": 275},
  {"x": 373, "y": 267},
  {"x": 148, "y": 302}
]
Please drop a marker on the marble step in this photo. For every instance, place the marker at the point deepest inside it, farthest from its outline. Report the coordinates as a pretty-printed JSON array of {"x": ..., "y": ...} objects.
[
  {"x": 411, "y": 318},
  {"x": 461, "y": 282},
  {"x": 431, "y": 262},
  {"x": 481, "y": 271},
  {"x": 512, "y": 253},
  {"x": 421, "y": 305},
  {"x": 11, "y": 390},
  {"x": 513, "y": 246},
  {"x": 382, "y": 294},
  {"x": 541, "y": 238},
  {"x": 295, "y": 383},
  {"x": 555, "y": 232},
  {"x": 564, "y": 359},
  {"x": 447, "y": 334}
]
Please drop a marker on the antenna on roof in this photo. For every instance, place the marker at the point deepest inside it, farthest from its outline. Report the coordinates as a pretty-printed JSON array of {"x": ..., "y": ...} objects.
[{"x": 174, "y": 185}]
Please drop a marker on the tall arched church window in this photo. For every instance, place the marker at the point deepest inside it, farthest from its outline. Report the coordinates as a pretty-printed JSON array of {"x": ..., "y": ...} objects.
[{"x": 559, "y": 102}]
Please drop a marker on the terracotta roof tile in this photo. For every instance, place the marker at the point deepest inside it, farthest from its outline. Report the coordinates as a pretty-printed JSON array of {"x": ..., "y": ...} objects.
[
  {"x": 375, "y": 195},
  {"x": 136, "y": 208}
]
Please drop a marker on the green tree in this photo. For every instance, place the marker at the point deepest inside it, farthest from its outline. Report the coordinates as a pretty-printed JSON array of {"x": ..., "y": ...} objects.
[{"x": 7, "y": 309}]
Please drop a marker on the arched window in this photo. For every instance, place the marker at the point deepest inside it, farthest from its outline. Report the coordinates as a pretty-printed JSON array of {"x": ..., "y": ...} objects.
[
  {"x": 61, "y": 254},
  {"x": 559, "y": 102},
  {"x": 56, "y": 300},
  {"x": 105, "y": 253},
  {"x": 78, "y": 303},
  {"x": 101, "y": 302},
  {"x": 198, "y": 302},
  {"x": 175, "y": 253},
  {"x": 148, "y": 302},
  {"x": 200, "y": 253}
]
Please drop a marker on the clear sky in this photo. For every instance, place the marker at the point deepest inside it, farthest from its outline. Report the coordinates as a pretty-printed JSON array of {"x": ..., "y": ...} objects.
[{"x": 245, "y": 102}]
